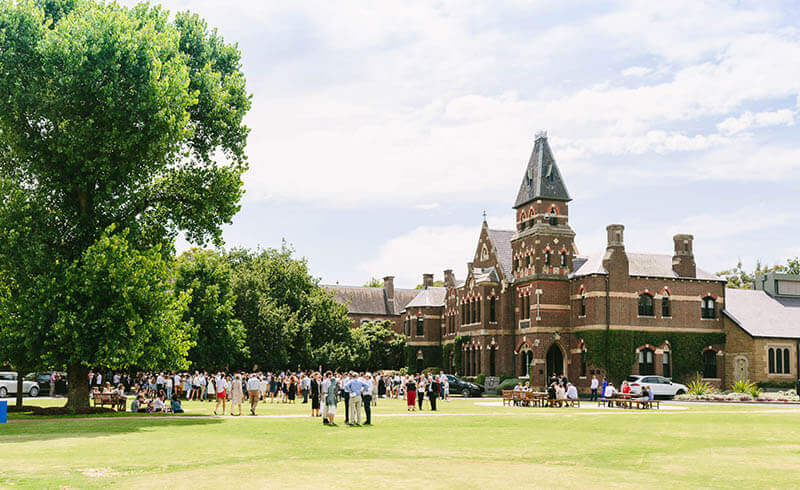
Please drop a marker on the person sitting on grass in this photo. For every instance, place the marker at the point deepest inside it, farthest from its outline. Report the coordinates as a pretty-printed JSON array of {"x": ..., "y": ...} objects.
[
  {"x": 175, "y": 403},
  {"x": 139, "y": 405},
  {"x": 158, "y": 405}
]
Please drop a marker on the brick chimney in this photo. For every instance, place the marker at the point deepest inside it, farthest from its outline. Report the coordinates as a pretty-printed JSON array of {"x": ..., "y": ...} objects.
[
  {"x": 683, "y": 261},
  {"x": 388, "y": 293},
  {"x": 427, "y": 281},
  {"x": 615, "y": 260}
]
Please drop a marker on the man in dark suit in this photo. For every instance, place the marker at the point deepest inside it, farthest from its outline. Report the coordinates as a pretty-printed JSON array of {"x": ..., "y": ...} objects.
[{"x": 435, "y": 391}]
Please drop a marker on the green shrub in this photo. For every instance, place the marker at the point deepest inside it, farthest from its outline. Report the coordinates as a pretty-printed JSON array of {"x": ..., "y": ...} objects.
[
  {"x": 747, "y": 387},
  {"x": 781, "y": 385},
  {"x": 431, "y": 370},
  {"x": 699, "y": 387},
  {"x": 508, "y": 384},
  {"x": 480, "y": 379}
]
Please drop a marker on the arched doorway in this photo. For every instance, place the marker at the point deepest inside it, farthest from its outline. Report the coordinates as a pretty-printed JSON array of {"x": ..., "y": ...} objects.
[
  {"x": 420, "y": 361},
  {"x": 742, "y": 371},
  {"x": 555, "y": 360}
]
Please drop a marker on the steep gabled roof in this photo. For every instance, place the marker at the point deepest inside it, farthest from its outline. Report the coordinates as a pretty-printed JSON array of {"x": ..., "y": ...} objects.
[
  {"x": 502, "y": 243},
  {"x": 542, "y": 179},
  {"x": 433, "y": 296},
  {"x": 761, "y": 315},
  {"x": 370, "y": 301}
]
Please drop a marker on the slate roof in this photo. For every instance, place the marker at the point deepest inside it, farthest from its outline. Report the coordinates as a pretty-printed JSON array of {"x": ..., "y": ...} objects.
[
  {"x": 651, "y": 265},
  {"x": 502, "y": 243},
  {"x": 370, "y": 301},
  {"x": 433, "y": 296},
  {"x": 761, "y": 315},
  {"x": 542, "y": 179},
  {"x": 487, "y": 274}
]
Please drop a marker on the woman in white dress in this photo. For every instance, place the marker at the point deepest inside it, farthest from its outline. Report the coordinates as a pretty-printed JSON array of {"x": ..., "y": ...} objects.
[{"x": 237, "y": 395}]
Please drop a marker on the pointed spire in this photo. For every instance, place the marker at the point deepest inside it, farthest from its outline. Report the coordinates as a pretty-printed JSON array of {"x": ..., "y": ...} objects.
[{"x": 542, "y": 178}]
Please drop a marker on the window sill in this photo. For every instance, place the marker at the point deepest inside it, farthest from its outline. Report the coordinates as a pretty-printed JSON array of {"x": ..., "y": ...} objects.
[
  {"x": 666, "y": 317},
  {"x": 645, "y": 316},
  {"x": 708, "y": 318},
  {"x": 581, "y": 316}
]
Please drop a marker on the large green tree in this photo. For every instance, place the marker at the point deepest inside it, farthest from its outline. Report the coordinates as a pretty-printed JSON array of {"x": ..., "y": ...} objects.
[
  {"x": 113, "y": 121},
  {"x": 378, "y": 346},
  {"x": 290, "y": 320},
  {"x": 219, "y": 338}
]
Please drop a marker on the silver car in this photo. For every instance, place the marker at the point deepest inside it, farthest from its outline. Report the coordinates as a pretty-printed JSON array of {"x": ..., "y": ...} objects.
[
  {"x": 8, "y": 385},
  {"x": 660, "y": 385}
]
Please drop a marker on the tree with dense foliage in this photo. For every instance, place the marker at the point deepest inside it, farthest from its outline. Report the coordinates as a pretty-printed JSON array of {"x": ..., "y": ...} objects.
[
  {"x": 289, "y": 319},
  {"x": 378, "y": 346},
  {"x": 113, "y": 121},
  {"x": 374, "y": 282},
  {"x": 738, "y": 278},
  {"x": 219, "y": 338}
]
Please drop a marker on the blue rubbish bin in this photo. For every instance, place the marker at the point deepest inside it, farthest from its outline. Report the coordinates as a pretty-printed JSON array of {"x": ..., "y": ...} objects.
[{"x": 3, "y": 411}]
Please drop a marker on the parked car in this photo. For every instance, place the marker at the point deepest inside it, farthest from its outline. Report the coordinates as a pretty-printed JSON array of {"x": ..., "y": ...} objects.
[
  {"x": 661, "y": 386},
  {"x": 464, "y": 387},
  {"x": 43, "y": 380},
  {"x": 8, "y": 385}
]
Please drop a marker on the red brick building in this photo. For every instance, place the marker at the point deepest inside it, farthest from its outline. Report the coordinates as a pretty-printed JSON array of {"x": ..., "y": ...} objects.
[{"x": 530, "y": 305}]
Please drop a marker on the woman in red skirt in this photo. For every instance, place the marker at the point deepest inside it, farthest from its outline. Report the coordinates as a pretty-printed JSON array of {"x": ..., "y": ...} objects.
[{"x": 411, "y": 393}]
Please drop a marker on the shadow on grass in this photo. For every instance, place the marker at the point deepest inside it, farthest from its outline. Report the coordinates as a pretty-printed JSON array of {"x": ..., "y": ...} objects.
[{"x": 33, "y": 429}]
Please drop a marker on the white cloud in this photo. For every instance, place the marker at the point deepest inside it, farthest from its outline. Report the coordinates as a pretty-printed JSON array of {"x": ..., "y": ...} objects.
[
  {"x": 636, "y": 71},
  {"x": 429, "y": 249},
  {"x": 427, "y": 206},
  {"x": 749, "y": 120}
]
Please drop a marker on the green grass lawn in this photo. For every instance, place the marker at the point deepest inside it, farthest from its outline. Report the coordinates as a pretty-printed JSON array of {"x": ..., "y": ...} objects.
[{"x": 464, "y": 445}]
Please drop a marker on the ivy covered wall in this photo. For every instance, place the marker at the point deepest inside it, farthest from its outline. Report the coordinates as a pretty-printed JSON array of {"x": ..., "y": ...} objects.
[
  {"x": 619, "y": 357},
  {"x": 431, "y": 354}
]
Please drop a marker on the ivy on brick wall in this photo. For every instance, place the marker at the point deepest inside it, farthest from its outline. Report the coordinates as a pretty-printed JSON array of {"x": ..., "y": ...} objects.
[
  {"x": 455, "y": 348},
  {"x": 686, "y": 350},
  {"x": 431, "y": 356}
]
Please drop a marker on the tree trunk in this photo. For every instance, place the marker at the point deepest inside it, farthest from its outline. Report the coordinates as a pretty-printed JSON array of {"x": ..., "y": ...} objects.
[
  {"x": 78, "y": 388},
  {"x": 19, "y": 390}
]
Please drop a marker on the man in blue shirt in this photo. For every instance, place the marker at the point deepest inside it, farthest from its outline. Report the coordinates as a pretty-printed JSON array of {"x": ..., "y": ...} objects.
[{"x": 354, "y": 388}]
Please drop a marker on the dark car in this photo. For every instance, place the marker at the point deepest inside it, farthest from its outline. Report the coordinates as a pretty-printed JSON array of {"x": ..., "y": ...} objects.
[
  {"x": 464, "y": 387},
  {"x": 43, "y": 380}
]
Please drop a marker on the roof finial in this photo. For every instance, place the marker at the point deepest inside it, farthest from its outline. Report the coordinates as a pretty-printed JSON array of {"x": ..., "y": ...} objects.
[
  {"x": 484, "y": 215},
  {"x": 540, "y": 134}
]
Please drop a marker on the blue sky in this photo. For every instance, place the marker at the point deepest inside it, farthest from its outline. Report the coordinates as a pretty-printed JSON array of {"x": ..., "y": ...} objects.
[{"x": 382, "y": 130}]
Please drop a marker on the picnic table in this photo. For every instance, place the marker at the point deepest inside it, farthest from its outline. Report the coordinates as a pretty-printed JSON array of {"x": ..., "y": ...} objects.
[{"x": 627, "y": 400}]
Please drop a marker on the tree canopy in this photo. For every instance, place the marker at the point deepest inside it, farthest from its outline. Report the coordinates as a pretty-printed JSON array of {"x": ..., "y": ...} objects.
[
  {"x": 118, "y": 129},
  {"x": 738, "y": 278}
]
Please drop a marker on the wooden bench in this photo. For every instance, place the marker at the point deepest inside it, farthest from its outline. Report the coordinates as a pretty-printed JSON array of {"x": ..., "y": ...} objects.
[
  {"x": 508, "y": 397},
  {"x": 112, "y": 399},
  {"x": 628, "y": 402}
]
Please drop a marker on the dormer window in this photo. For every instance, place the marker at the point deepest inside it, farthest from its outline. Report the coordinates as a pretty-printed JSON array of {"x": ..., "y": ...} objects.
[
  {"x": 553, "y": 220},
  {"x": 485, "y": 253}
]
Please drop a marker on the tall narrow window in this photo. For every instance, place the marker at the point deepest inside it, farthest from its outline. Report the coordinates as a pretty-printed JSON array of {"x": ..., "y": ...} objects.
[
  {"x": 709, "y": 364},
  {"x": 786, "y": 369},
  {"x": 645, "y": 305},
  {"x": 478, "y": 310},
  {"x": 646, "y": 362},
  {"x": 665, "y": 359},
  {"x": 583, "y": 305},
  {"x": 530, "y": 261},
  {"x": 779, "y": 361},
  {"x": 492, "y": 317},
  {"x": 553, "y": 218},
  {"x": 563, "y": 259},
  {"x": 492, "y": 361},
  {"x": 547, "y": 258},
  {"x": 420, "y": 326},
  {"x": 583, "y": 364},
  {"x": 771, "y": 361},
  {"x": 665, "y": 307},
  {"x": 708, "y": 308}
]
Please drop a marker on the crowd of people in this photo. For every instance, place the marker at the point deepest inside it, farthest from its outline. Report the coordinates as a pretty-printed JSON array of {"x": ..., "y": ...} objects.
[{"x": 164, "y": 391}]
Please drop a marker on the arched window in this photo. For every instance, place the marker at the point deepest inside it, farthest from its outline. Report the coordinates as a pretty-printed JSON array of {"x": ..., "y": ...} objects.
[
  {"x": 547, "y": 258},
  {"x": 666, "y": 311},
  {"x": 646, "y": 365},
  {"x": 530, "y": 260},
  {"x": 666, "y": 367},
  {"x": 478, "y": 310},
  {"x": 771, "y": 360},
  {"x": 491, "y": 361},
  {"x": 708, "y": 308},
  {"x": 709, "y": 364},
  {"x": 645, "y": 305},
  {"x": 583, "y": 304},
  {"x": 786, "y": 369},
  {"x": 420, "y": 326},
  {"x": 492, "y": 317},
  {"x": 563, "y": 259}
]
